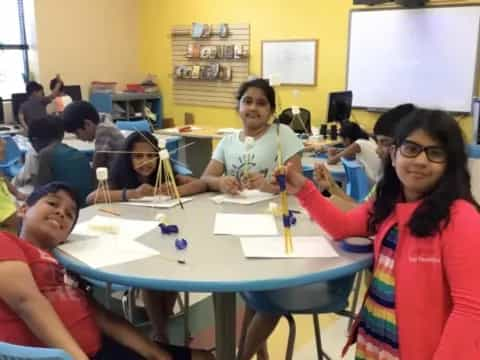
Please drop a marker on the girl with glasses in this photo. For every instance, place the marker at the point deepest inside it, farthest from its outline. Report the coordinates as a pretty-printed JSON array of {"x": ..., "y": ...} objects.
[{"x": 424, "y": 298}]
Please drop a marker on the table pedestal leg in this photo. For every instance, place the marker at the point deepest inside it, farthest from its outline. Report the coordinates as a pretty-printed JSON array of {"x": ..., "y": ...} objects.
[{"x": 225, "y": 325}]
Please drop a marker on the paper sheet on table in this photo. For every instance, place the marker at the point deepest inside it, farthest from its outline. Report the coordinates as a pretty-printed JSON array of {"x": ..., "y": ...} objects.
[
  {"x": 125, "y": 229},
  {"x": 227, "y": 130},
  {"x": 159, "y": 202},
  {"x": 105, "y": 251},
  {"x": 103, "y": 241},
  {"x": 245, "y": 224},
  {"x": 177, "y": 129},
  {"x": 274, "y": 247},
  {"x": 246, "y": 197}
]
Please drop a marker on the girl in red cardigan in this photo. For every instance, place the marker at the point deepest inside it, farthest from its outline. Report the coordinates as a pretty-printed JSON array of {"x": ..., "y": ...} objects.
[{"x": 424, "y": 299}]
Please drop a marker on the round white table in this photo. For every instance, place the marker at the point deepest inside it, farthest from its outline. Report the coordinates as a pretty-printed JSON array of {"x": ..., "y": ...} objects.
[{"x": 215, "y": 263}]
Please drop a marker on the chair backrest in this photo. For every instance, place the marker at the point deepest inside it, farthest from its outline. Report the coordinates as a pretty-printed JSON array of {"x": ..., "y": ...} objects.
[
  {"x": 74, "y": 91},
  {"x": 299, "y": 124},
  {"x": 16, "y": 352},
  {"x": 12, "y": 151},
  {"x": 17, "y": 100},
  {"x": 71, "y": 166},
  {"x": 140, "y": 125},
  {"x": 358, "y": 185}
]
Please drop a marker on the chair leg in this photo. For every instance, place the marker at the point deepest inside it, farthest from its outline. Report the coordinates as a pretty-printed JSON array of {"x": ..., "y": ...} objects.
[
  {"x": 108, "y": 295},
  {"x": 186, "y": 324},
  {"x": 356, "y": 293},
  {"x": 318, "y": 339},
  {"x": 128, "y": 302},
  {"x": 291, "y": 336}
]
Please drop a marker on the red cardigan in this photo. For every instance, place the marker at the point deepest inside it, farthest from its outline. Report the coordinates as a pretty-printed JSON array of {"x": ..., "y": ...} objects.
[{"x": 437, "y": 278}]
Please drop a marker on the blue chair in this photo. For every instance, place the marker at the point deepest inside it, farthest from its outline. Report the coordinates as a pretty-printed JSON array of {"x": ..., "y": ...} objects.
[
  {"x": 140, "y": 125},
  {"x": 308, "y": 171},
  {"x": 473, "y": 151},
  {"x": 16, "y": 352},
  {"x": 12, "y": 163},
  {"x": 318, "y": 298},
  {"x": 358, "y": 185}
]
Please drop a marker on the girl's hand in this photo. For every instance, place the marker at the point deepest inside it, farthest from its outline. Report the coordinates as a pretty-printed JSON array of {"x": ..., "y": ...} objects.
[
  {"x": 255, "y": 181},
  {"x": 144, "y": 190},
  {"x": 322, "y": 177},
  {"x": 229, "y": 185},
  {"x": 294, "y": 179}
]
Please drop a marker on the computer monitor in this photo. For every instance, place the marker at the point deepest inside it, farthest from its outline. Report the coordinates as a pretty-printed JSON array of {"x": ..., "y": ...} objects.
[
  {"x": 17, "y": 100},
  {"x": 339, "y": 105},
  {"x": 2, "y": 118},
  {"x": 74, "y": 91}
]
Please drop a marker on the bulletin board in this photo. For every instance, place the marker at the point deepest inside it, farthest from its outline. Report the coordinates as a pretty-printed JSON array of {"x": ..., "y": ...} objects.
[
  {"x": 209, "y": 93},
  {"x": 294, "y": 61}
]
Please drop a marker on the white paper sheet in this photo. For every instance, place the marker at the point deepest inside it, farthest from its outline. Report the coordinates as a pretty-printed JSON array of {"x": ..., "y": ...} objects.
[
  {"x": 106, "y": 251},
  {"x": 245, "y": 224},
  {"x": 274, "y": 247},
  {"x": 114, "y": 244},
  {"x": 160, "y": 203},
  {"x": 126, "y": 229},
  {"x": 246, "y": 197}
]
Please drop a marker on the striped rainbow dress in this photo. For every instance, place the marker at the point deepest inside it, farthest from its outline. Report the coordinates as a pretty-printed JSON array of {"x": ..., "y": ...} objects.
[{"x": 377, "y": 331}]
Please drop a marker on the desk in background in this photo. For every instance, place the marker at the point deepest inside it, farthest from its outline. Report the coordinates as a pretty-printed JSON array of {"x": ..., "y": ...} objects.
[
  {"x": 215, "y": 263},
  {"x": 197, "y": 155}
]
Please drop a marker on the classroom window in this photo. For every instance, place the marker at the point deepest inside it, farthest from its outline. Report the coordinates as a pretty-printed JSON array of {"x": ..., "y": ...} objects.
[{"x": 13, "y": 48}]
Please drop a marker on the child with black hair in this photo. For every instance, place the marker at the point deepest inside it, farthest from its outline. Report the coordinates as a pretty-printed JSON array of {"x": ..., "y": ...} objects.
[
  {"x": 383, "y": 132},
  {"x": 237, "y": 163},
  {"x": 82, "y": 119},
  {"x": 424, "y": 299},
  {"x": 57, "y": 106},
  {"x": 35, "y": 107},
  {"x": 133, "y": 176},
  {"x": 40, "y": 305},
  {"x": 58, "y": 161},
  {"x": 358, "y": 145}
]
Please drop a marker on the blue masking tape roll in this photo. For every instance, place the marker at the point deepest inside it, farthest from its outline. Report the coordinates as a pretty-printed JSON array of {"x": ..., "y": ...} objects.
[{"x": 357, "y": 245}]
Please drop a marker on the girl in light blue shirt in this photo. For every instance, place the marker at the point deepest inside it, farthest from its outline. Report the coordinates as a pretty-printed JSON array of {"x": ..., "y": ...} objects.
[{"x": 246, "y": 159}]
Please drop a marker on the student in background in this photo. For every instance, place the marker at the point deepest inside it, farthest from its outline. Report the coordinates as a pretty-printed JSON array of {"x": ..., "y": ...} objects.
[
  {"x": 234, "y": 166},
  {"x": 58, "y": 105},
  {"x": 426, "y": 225},
  {"x": 360, "y": 146},
  {"x": 82, "y": 119},
  {"x": 8, "y": 194},
  {"x": 383, "y": 132},
  {"x": 58, "y": 161},
  {"x": 35, "y": 107},
  {"x": 132, "y": 176},
  {"x": 41, "y": 305}
]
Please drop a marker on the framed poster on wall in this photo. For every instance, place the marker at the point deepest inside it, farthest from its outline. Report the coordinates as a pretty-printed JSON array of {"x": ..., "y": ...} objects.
[{"x": 293, "y": 61}]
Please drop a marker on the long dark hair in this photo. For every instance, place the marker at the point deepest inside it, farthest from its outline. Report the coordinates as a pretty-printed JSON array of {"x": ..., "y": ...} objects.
[
  {"x": 123, "y": 175},
  {"x": 434, "y": 211},
  {"x": 352, "y": 131}
]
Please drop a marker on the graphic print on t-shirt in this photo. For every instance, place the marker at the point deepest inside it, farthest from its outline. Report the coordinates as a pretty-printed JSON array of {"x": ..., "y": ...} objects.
[{"x": 246, "y": 161}]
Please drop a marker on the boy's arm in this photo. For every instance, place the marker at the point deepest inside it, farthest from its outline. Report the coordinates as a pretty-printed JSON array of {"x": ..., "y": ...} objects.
[
  {"x": 349, "y": 152},
  {"x": 124, "y": 333},
  {"x": 14, "y": 191},
  {"x": 20, "y": 292},
  {"x": 23, "y": 123}
]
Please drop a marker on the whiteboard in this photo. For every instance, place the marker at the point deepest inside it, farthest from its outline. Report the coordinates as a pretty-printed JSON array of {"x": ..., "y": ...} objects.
[
  {"x": 426, "y": 56},
  {"x": 293, "y": 61}
]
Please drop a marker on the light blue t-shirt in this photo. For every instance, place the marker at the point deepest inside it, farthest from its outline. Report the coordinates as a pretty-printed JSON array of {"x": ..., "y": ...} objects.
[{"x": 261, "y": 157}]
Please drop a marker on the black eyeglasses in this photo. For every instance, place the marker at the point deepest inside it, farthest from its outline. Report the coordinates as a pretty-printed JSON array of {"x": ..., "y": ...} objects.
[{"x": 435, "y": 154}]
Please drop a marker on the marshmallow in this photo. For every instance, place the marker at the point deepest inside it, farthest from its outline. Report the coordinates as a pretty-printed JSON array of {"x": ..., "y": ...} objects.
[
  {"x": 164, "y": 155},
  {"x": 295, "y": 110},
  {"x": 162, "y": 143},
  {"x": 102, "y": 174}
]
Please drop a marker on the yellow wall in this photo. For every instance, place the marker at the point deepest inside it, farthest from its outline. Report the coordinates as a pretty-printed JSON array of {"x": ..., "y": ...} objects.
[
  {"x": 325, "y": 20},
  {"x": 87, "y": 40}
]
